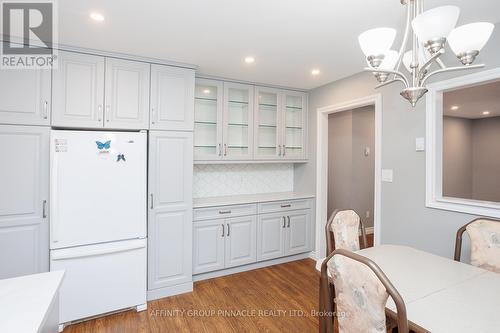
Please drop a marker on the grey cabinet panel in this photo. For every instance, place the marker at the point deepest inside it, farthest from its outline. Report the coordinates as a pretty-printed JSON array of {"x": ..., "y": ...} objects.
[
  {"x": 170, "y": 208},
  {"x": 24, "y": 175},
  {"x": 25, "y": 97}
]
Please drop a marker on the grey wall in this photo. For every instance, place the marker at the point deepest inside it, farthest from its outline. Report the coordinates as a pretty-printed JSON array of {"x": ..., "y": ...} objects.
[
  {"x": 339, "y": 161},
  {"x": 486, "y": 157},
  {"x": 457, "y": 157},
  {"x": 350, "y": 172},
  {"x": 404, "y": 218}
]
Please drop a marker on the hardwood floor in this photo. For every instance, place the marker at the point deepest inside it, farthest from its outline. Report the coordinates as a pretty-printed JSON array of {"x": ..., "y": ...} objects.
[{"x": 281, "y": 298}]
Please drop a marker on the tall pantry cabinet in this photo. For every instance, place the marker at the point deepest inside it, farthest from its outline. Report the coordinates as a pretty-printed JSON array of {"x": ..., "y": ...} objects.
[{"x": 170, "y": 182}]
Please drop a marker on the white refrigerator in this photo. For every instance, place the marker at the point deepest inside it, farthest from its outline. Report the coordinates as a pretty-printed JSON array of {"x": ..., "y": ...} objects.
[{"x": 98, "y": 220}]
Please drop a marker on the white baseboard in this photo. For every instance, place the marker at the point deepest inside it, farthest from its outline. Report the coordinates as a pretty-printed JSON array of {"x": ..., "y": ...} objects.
[
  {"x": 170, "y": 291},
  {"x": 313, "y": 255},
  {"x": 249, "y": 267}
]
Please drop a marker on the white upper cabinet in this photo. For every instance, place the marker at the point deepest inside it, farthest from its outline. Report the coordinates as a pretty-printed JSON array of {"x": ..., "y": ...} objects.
[
  {"x": 94, "y": 92},
  {"x": 252, "y": 123},
  {"x": 24, "y": 194},
  {"x": 172, "y": 98},
  {"x": 294, "y": 120},
  {"x": 237, "y": 130},
  {"x": 126, "y": 94},
  {"x": 208, "y": 102},
  {"x": 25, "y": 97},
  {"x": 268, "y": 124},
  {"x": 78, "y": 91}
]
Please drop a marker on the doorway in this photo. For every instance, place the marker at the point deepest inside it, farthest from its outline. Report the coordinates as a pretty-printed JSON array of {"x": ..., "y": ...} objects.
[
  {"x": 322, "y": 170},
  {"x": 351, "y": 164}
]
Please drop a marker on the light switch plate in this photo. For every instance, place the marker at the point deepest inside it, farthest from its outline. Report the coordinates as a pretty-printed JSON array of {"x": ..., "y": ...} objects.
[
  {"x": 420, "y": 144},
  {"x": 387, "y": 175}
]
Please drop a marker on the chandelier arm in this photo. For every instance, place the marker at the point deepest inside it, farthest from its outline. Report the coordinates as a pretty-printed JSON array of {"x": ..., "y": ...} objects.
[
  {"x": 441, "y": 63},
  {"x": 449, "y": 69},
  {"x": 391, "y": 81},
  {"x": 388, "y": 71},
  {"x": 405, "y": 38},
  {"x": 431, "y": 60}
]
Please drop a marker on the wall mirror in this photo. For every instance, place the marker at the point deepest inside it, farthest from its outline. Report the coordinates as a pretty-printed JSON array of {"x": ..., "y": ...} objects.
[{"x": 463, "y": 144}]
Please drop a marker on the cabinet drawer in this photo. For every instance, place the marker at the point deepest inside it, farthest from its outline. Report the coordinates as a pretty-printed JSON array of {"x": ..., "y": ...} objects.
[
  {"x": 282, "y": 206},
  {"x": 224, "y": 212}
]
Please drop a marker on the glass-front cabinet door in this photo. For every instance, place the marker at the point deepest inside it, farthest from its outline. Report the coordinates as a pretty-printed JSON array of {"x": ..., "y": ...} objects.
[
  {"x": 294, "y": 119},
  {"x": 208, "y": 120},
  {"x": 268, "y": 105},
  {"x": 237, "y": 130}
]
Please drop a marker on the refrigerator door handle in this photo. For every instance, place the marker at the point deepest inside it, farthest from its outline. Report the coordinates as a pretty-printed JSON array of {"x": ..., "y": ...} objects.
[
  {"x": 106, "y": 249},
  {"x": 152, "y": 206}
]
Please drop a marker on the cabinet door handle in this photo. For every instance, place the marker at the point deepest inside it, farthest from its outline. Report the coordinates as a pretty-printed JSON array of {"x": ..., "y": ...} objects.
[
  {"x": 286, "y": 206},
  {"x": 279, "y": 150},
  {"x": 44, "y": 209},
  {"x": 220, "y": 149},
  {"x": 228, "y": 229},
  {"x": 225, "y": 149},
  {"x": 288, "y": 225},
  {"x": 99, "y": 113},
  {"x": 224, "y": 212},
  {"x": 107, "y": 113},
  {"x": 284, "y": 222},
  {"x": 45, "y": 109},
  {"x": 152, "y": 204},
  {"x": 223, "y": 229},
  {"x": 152, "y": 115}
]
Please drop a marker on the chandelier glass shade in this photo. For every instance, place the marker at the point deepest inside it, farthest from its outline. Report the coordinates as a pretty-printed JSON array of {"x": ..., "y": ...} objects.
[{"x": 430, "y": 30}]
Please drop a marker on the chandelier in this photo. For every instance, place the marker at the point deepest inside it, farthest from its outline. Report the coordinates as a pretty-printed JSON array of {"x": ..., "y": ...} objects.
[{"x": 431, "y": 31}]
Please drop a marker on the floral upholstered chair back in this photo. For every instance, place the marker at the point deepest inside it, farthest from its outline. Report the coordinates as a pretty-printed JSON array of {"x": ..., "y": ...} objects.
[
  {"x": 485, "y": 244},
  {"x": 360, "y": 297},
  {"x": 345, "y": 228}
]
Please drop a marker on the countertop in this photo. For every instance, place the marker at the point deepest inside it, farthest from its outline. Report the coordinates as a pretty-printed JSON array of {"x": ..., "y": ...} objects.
[
  {"x": 248, "y": 198},
  {"x": 26, "y": 300}
]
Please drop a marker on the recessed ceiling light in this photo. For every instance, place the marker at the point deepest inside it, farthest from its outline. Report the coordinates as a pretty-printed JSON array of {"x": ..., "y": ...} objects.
[
  {"x": 315, "y": 71},
  {"x": 454, "y": 108},
  {"x": 249, "y": 60},
  {"x": 485, "y": 113},
  {"x": 97, "y": 17},
  {"x": 206, "y": 91}
]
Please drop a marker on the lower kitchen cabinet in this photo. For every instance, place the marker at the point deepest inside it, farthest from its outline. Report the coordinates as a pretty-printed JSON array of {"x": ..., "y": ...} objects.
[
  {"x": 283, "y": 234},
  {"x": 224, "y": 243},
  {"x": 271, "y": 240},
  {"x": 236, "y": 235}
]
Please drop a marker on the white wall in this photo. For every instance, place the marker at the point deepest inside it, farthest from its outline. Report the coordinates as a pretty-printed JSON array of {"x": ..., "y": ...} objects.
[
  {"x": 212, "y": 180},
  {"x": 404, "y": 218}
]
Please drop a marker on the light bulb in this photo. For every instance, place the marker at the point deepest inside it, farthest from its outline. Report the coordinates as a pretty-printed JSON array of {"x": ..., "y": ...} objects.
[
  {"x": 433, "y": 26},
  {"x": 467, "y": 40},
  {"x": 377, "y": 41}
]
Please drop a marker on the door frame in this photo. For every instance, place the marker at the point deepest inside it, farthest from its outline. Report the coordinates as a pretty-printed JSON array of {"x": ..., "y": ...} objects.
[{"x": 322, "y": 165}]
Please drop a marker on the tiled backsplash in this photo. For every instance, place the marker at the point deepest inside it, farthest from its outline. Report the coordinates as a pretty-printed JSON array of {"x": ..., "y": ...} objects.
[{"x": 212, "y": 180}]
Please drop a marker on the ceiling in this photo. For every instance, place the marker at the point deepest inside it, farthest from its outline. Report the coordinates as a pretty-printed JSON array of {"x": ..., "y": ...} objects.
[
  {"x": 473, "y": 101},
  {"x": 288, "y": 38}
]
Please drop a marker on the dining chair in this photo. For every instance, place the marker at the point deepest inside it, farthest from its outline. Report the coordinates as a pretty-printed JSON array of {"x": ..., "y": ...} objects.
[
  {"x": 361, "y": 293},
  {"x": 342, "y": 231},
  {"x": 484, "y": 234}
]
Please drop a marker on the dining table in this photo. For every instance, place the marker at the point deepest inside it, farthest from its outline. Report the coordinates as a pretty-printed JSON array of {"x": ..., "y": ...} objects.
[{"x": 441, "y": 295}]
